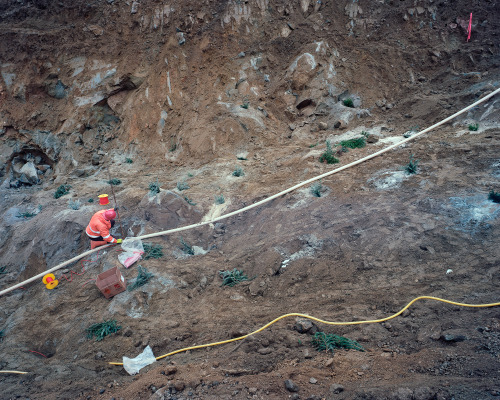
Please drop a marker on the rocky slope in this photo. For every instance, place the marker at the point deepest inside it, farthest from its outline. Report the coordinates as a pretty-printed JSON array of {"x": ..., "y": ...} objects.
[{"x": 185, "y": 93}]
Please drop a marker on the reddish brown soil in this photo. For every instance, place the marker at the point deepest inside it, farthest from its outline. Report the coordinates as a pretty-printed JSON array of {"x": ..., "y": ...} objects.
[{"x": 373, "y": 241}]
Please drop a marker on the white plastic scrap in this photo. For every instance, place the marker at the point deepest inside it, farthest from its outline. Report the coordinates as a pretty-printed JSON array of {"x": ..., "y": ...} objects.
[
  {"x": 134, "y": 365},
  {"x": 449, "y": 271}
]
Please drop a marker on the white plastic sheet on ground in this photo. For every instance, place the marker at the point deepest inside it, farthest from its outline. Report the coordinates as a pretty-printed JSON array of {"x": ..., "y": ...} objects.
[
  {"x": 132, "y": 251},
  {"x": 134, "y": 365}
]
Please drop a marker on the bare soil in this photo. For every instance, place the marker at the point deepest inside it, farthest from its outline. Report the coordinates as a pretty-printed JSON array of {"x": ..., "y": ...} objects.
[{"x": 185, "y": 93}]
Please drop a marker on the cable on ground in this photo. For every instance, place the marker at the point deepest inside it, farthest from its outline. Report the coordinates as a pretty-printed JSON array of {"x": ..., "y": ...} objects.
[{"x": 373, "y": 321}]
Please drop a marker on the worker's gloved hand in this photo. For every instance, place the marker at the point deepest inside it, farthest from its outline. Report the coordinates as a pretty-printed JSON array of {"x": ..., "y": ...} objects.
[
  {"x": 116, "y": 208},
  {"x": 118, "y": 241}
]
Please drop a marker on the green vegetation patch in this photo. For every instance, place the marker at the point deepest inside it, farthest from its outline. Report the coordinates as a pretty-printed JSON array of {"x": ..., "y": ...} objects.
[
  {"x": 473, "y": 127},
  {"x": 129, "y": 160},
  {"x": 219, "y": 199},
  {"x": 186, "y": 248},
  {"x": 238, "y": 172},
  {"x": 231, "y": 278},
  {"x": 25, "y": 215},
  {"x": 354, "y": 143},
  {"x": 152, "y": 250},
  {"x": 329, "y": 342},
  {"x": 143, "y": 277},
  {"x": 182, "y": 186},
  {"x": 348, "y": 103},
  {"x": 102, "y": 329},
  {"x": 61, "y": 191},
  {"x": 316, "y": 189},
  {"x": 115, "y": 182},
  {"x": 154, "y": 187},
  {"x": 494, "y": 196},
  {"x": 328, "y": 156},
  {"x": 3, "y": 270},
  {"x": 412, "y": 166}
]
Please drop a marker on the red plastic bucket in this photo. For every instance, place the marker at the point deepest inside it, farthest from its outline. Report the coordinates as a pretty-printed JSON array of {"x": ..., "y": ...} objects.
[{"x": 103, "y": 199}]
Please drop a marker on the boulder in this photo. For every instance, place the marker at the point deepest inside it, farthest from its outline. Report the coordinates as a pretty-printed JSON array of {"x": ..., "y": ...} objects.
[{"x": 28, "y": 171}]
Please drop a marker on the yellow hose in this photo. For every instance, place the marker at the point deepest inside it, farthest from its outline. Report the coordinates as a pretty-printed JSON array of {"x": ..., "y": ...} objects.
[
  {"x": 13, "y": 372},
  {"x": 373, "y": 321}
]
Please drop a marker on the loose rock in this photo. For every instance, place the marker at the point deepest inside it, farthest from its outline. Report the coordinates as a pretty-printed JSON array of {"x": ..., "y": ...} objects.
[{"x": 291, "y": 386}]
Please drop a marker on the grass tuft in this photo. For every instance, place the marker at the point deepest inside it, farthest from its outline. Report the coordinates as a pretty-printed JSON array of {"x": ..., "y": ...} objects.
[
  {"x": 182, "y": 186},
  {"x": 473, "y": 127},
  {"x": 328, "y": 156},
  {"x": 91, "y": 200},
  {"x": 412, "y": 166},
  {"x": 238, "y": 172},
  {"x": 354, "y": 143},
  {"x": 186, "y": 248},
  {"x": 103, "y": 329},
  {"x": 74, "y": 204},
  {"x": 348, "y": 103},
  {"x": 129, "y": 160},
  {"x": 219, "y": 199},
  {"x": 494, "y": 196},
  {"x": 3, "y": 270},
  {"x": 25, "y": 215},
  {"x": 189, "y": 201},
  {"x": 61, "y": 191},
  {"x": 152, "y": 250},
  {"x": 316, "y": 189},
  {"x": 328, "y": 342},
  {"x": 114, "y": 182},
  {"x": 154, "y": 187},
  {"x": 231, "y": 278},
  {"x": 143, "y": 277}
]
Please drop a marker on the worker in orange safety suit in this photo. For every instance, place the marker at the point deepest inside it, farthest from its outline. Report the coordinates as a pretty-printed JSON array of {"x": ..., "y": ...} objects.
[{"x": 99, "y": 226}]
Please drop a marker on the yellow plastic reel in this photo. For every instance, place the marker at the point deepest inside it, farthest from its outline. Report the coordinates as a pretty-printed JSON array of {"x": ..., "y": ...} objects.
[{"x": 50, "y": 281}]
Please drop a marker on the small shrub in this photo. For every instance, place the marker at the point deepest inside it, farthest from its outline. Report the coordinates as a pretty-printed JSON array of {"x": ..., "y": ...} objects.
[
  {"x": 114, "y": 182},
  {"x": 494, "y": 196},
  {"x": 91, "y": 200},
  {"x": 348, "y": 102},
  {"x": 231, "y": 278},
  {"x": 241, "y": 158},
  {"x": 238, "y": 172},
  {"x": 182, "y": 186},
  {"x": 219, "y": 199},
  {"x": 40, "y": 207},
  {"x": 154, "y": 187},
  {"x": 244, "y": 105},
  {"x": 152, "y": 250},
  {"x": 474, "y": 127},
  {"x": 189, "y": 201},
  {"x": 61, "y": 191},
  {"x": 354, "y": 143},
  {"x": 102, "y": 330},
  {"x": 173, "y": 147},
  {"x": 328, "y": 156},
  {"x": 316, "y": 189},
  {"x": 74, "y": 205},
  {"x": 129, "y": 160},
  {"x": 143, "y": 277},
  {"x": 190, "y": 175},
  {"x": 328, "y": 342},
  {"x": 412, "y": 166},
  {"x": 313, "y": 145},
  {"x": 3, "y": 270},
  {"x": 365, "y": 134},
  {"x": 186, "y": 248},
  {"x": 25, "y": 215}
]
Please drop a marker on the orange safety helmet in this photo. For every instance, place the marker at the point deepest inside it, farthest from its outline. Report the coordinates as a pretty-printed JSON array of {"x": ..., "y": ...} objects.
[{"x": 109, "y": 215}]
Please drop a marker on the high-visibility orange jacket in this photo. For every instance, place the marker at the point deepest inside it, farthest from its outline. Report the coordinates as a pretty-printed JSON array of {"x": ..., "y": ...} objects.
[{"x": 99, "y": 226}]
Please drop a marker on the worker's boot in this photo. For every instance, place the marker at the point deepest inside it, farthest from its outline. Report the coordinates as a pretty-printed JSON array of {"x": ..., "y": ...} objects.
[{"x": 95, "y": 243}]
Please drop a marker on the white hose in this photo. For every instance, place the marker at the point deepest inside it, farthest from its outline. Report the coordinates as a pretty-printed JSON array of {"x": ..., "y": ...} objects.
[{"x": 259, "y": 203}]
